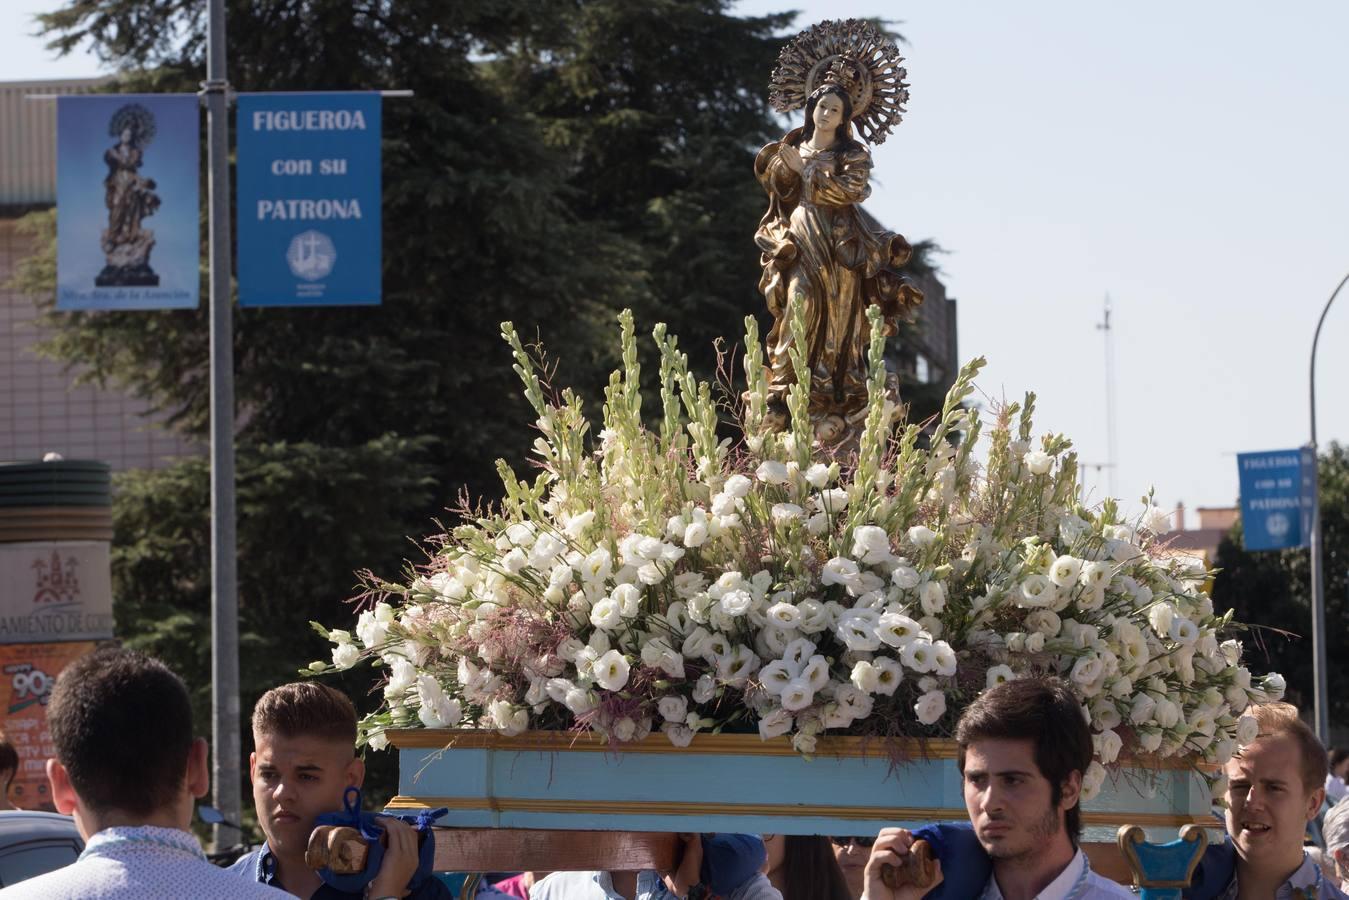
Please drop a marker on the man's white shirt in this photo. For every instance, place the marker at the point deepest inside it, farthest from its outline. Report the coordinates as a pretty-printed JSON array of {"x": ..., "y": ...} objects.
[
  {"x": 1076, "y": 882},
  {"x": 141, "y": 863}
]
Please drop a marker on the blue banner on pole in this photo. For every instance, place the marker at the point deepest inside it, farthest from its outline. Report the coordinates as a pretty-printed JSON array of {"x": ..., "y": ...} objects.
[
  {"x": 1277, "y": 495},
  {"x": 128, "y": 220},
  {"x": 309, "y": 199}
]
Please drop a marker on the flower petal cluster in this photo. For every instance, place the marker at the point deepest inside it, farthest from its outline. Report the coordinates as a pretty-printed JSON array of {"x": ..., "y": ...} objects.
[{"x": 659, "y": 578}]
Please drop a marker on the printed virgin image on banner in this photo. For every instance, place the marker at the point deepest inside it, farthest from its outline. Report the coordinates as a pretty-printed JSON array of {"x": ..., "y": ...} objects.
[
  {"x": 309, "y": 199},
  {"x": 128, "y": 233}
]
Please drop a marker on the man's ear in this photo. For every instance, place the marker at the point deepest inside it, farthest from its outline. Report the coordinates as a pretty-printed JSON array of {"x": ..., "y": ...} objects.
[
  {"x": 355, "y": 772},
  {"x": 1314, "y": 802},
  {"x": 1070, "y": 791},
  {"x": 253, "y": 767},
  {"x": 63, "y": 792},
  {"x": 199, "y": 768}
]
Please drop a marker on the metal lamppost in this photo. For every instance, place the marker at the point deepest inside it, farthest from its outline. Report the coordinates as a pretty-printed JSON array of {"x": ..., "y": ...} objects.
[{"x": 1318, "y": 582}]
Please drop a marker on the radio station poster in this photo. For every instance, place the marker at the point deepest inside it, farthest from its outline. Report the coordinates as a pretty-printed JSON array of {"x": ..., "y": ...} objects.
[
  {"x": 309, "y": 199},
  {"x": 27, "y": 673},
  {"x": 128, "y": 220},
  {"x": 1277, "y": 495}
]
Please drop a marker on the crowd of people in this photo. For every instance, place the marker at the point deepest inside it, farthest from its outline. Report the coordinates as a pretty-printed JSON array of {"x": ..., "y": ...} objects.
[{"x": 129, "y": 768}]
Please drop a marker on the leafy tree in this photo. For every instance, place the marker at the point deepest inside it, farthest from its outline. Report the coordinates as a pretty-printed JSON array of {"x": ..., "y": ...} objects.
[{"x": 1272, "y": 590}]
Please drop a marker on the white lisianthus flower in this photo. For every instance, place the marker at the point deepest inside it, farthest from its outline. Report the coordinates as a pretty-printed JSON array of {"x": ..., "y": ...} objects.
[
  {"x": 918, "y": 655},
  {"x": 611, "y": 671},
  {"x": 1035, "y": 642},
  {"x": 775, "y": 724},
  {"x": 510, "y": 720},
  {"x": 704, "y": 689},
  {"x": 1094, "y": 573},
  {"x": 930, "y": 707},
  {"x": 996, "y": 675},
  {"x": 816, "y": 672},
  {"x": 1108, "y": 745},
  {"x": 437, "y": 709},
  {"x": 932, "y": 597},
  {"x": 1167, "y": 714},
  {"x": 606, "y": 614},
  {"x": 346, "y": 654},
  {"x": 1160, "y": 617},
  {"x": 629, "y": 599},
  {"x": 783, "y": 614},
  {"x": 776, "y": 675},
  {"x": 797, "y": 695},
  {"x": 865, "y": 676},
  {"x": 1087, "y": 670},
  {"x": 1038, "y": 462},
  {"x": 737, "y": 486},
  {"x": 678, "y": 734},
  {"x": 1036, "y": 591},
  {"x": 921, "y": 536},
  {"x": 803, "y": 743},
  {"x": 943, "y": 659},
  {"x": 377, "y": 740},
  {"x": 673, "y": 708},
  {"x": 370, "y": 629},
  {"x": 870, "y": 545},
  {"x": 817, "y": 524},
  {"x": 839, "y": 570},
  {"x": 905, "y": 577},
  {"x": 402, "y": 675},
  {"x": 857, "y": 628},
  {"x": 1248, "y": 729},
  {"x": 1045, "y": 622},
  {"x": 897, "y": 629},
  {"x": 1156, "y": 520},
  {"x": 817, "y": 476},
  {"x": 737, "y": 666},
  {"x": 736, "y": 602},
  {"x": 889, "y": 675},
  {"x": 829, "y": 502},
  {"x": 695, "y": 534},
  {"x": 786, "y": 513},
  {"x": 1183, "y": 631},
  {"x": 1150, "y": 741},
  {"x": 772, "y": 472},
  {"x": 1092, "y": 779},
  {"x": 1065, "y": 571}
]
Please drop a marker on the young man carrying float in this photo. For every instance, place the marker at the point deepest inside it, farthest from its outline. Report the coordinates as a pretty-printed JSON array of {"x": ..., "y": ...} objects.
[
  {"x": 129, "y": 770},
  {"x": 304, "y": 759},
  {"x": 1022, "y": 749},
  {"x": 1275, "y": 786}
]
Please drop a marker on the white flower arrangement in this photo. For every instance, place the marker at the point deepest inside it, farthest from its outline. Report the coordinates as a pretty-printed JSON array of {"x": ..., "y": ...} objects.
[{"x": 668, "y": 579}]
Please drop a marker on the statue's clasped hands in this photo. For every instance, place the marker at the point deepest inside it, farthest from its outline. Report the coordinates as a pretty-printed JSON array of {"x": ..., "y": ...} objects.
[{"x": 792, "y": 157}]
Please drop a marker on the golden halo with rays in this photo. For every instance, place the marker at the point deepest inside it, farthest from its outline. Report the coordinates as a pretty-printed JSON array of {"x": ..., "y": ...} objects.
[{"x": 853, "y": 54}]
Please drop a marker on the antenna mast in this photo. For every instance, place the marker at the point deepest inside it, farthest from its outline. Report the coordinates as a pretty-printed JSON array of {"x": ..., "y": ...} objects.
[{"x": 1112, "y": 455}]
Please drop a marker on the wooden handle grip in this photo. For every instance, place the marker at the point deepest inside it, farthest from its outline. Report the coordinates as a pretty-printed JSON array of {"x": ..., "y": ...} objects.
[
  {"x": 918, "y": 869},
  {"x": 337, "y": 847}
]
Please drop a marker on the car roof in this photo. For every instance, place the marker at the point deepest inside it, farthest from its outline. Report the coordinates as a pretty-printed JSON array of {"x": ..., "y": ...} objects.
[{"x": 22, "y": 825}]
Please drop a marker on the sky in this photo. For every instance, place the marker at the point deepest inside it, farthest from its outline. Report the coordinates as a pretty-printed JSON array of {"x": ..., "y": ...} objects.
[{"x": 1187, "y": 159}]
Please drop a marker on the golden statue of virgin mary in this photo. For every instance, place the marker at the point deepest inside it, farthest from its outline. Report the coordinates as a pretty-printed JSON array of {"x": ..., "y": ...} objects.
[{"x": 816, "y": 243}]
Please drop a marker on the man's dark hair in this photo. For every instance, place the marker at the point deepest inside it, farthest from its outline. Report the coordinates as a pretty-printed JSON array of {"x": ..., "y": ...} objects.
[
  {"x": 121, "y": 723},
  {"x": 1337, "y": 756},
  {"x": 1044, "y": 712},
  {"x": 9, "y": 761},
  {"x": 810, "y": 871},
  {"x": 306, "y": 709}
]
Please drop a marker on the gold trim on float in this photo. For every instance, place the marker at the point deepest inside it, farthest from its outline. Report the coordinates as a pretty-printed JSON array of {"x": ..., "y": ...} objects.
[
  {"x": 781, "y": 810},
  {"x": 905, "y": 749}
]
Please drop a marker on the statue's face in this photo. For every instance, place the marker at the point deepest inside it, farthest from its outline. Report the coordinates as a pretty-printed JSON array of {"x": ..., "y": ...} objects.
[
  {"x": 828, "y": 113},
  {"x": 126, "y": 135}
]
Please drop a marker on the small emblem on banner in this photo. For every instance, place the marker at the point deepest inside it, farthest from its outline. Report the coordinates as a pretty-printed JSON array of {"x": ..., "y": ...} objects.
[{"x": 311, "y": 255}]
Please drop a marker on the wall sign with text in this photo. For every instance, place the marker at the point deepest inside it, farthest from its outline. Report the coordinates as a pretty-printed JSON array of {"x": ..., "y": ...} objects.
[{"x": 309, "y": 199}]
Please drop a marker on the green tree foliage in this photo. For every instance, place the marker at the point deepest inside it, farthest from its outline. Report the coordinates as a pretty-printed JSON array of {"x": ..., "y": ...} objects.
[
  {"x": 560, "y": 161},
  {"x": 1272, "y": 590}
]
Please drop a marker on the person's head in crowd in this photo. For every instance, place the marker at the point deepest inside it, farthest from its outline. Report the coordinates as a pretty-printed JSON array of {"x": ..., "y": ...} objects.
[
  {"x": 304, "y": 759},
  {"x": 121, "y": 726},
  {"x": 1275, "y": 787},
  {"x": 9, "y": 767},
  {"x": 851, "y": 852},
  {"x": 802, "y": 867},
  {"x": 1022, "y": 749},
  {"x": 1339, "y": 763},
  {"x": 1335, "y": 830}
]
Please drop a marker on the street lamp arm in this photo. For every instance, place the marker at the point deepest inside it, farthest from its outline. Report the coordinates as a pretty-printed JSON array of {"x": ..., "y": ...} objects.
[{"x": 1316, "y": 338}]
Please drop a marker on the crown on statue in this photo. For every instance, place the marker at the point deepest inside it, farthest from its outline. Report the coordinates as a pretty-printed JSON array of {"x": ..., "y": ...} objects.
[{"x": 857, "y": 57}]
